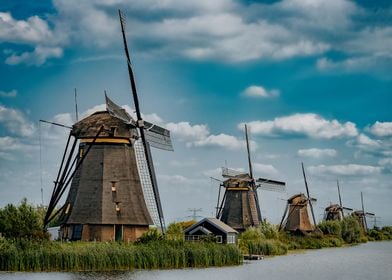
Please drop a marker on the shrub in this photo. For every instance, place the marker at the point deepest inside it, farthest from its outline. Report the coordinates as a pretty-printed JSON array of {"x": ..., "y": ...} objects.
[
  {"x": 268, "y": 230},
  {"x": 331, "y": 227},
  {"x": 149, "y": 236},
  {"x": 175, "y": 232},
  {"x": 351, "y": 231}
]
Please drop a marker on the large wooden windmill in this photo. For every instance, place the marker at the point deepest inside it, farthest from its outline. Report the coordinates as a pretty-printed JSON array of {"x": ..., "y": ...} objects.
[
  {"x": 113, "y": 192},
  {"x": 335, "y": 212},
  {"x": 239, "y": 207},
  {"x": 296, "y": 215}
]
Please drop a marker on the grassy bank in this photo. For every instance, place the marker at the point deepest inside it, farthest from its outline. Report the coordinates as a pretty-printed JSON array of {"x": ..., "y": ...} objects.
[
  {"x": 23, "y": 255},
  {"x": 267, "y": 240}
]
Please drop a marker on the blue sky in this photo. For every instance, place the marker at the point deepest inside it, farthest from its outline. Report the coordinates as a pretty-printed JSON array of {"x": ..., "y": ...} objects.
[{"x": 312, "y": 78}]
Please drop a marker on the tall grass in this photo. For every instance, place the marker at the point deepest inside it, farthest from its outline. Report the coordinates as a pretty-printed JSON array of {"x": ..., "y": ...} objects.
[{"x": 83, "y": 256}]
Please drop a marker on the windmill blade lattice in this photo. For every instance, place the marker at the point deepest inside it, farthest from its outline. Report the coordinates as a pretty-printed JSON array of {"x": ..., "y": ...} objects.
[
  {"x": 271, "y": 185},
  {"x": 145, "y": 179}
]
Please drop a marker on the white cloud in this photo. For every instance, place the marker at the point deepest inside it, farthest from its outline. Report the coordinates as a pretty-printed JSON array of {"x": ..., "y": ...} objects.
[
  {"x": 264, "y": 169},
  {"x": 345, "y": 170},
  {"x": 8, "y": 143},
  {"x": 34, "y": 30},
  {"x": 381, "y": 129},
  {"x": 12, "y": 93},
  {"x": 317, "y": 153},
  {"x": 37, "y": 57},
  {"x": 185, "y": 131},
  {"x": 311, "y": 125},
  {"x": 15, "y": 122},
  {"x": 259, "y": 92},
  {"x": 220, "y": 140}
]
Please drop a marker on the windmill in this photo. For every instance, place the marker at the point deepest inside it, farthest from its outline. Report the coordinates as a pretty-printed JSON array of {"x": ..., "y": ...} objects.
[
  {"x": 335, "y": 212},
  {"x": 361, "y": 215},
  {"x": 296, "y": 215},
  {"x": 239, "y": 206},
  {"x": 113, "y": 190}
]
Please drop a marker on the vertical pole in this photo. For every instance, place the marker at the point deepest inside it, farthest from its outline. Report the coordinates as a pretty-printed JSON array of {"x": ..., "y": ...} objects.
[
  {"x": 364, "y": 214},
  {"x": 307, "y": 192},
  {"x": 340, "y": 199},
  {"x": 248, "y": 150},
  {"x": 76, "y": 106}
]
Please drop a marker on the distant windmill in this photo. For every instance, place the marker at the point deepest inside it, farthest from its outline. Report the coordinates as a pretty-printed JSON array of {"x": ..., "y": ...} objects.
[
  {"x": 361, "y": 215},
  {"x": 113, "y": 189},
  {"x": 239, "y": 207},
  {"x": 296, "y": 215},
  {"x": 336, "y": 211}
]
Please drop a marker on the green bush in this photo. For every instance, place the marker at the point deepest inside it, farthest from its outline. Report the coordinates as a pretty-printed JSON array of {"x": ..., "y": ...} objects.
[
  {"x": 331, "y": 227},
  {"x": 268, "y": 230},
  {"x": 351, "y": 230},
  {"x": 175, "y": 232}
]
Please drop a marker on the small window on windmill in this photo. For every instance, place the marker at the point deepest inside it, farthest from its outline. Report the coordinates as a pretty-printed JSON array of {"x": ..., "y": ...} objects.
[
  {"x": 81, "y": 152},
  {"x": 117, "y": 207},
  {"x": 112, "y": 131},
  {"x": 114, "y": 189},
  {"x": 67, "y": 209}
]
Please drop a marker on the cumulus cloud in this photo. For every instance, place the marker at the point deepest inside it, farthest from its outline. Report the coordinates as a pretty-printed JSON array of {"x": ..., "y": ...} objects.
[
  {"x": 200, "y": 136},
  {"x": 224, "y": 30},
  {"x": 185, "y": 131},
  {"x": 310, "y": 125},
  {"x": 15, "y": 122},
  {"x": 345, "y": 170},
  {"x": 264, "y": 169},
  {"x": 12, "y": 93},
  {"x": 220, "y": 140},
  {"x": 317, "y": 153},
  {"x": 381, "y": 129},
  {"x": 37, "y": 57},
  {"x": 259, "y": 92},
  {"x": 34, "y": 30}
]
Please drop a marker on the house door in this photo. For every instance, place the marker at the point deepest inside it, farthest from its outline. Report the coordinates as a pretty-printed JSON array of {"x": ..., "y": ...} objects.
[{"x": 118, "y": 231}]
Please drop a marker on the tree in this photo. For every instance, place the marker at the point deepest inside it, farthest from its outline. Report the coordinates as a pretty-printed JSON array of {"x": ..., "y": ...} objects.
[{"x": 21, "y": 221}]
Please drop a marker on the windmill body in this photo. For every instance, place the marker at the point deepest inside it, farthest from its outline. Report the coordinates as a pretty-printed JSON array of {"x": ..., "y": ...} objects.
[
  {"x": 333, "y": 212},
  {"x": 240, "y": 209},
  {"x": 106, "y": 200},
  {"x": 298, "y": 216}
]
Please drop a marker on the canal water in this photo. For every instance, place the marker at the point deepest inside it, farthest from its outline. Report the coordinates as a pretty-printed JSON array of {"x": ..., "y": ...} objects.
[{"x": 372, "y": 260}]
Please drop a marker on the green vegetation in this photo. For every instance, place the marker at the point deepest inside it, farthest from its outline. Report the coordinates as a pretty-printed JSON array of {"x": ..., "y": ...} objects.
[
  {"x": 23, "y": 221},
  {"x": 27, "y": 255},
  {"x": 24, "y": 247}
]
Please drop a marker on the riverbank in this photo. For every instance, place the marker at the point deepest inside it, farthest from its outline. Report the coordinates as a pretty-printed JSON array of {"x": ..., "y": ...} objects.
[{"x": 26, "y": 255}]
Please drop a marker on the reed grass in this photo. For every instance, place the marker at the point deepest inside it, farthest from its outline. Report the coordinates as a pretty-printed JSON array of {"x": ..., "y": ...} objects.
[{"x": 83, "y": 256}]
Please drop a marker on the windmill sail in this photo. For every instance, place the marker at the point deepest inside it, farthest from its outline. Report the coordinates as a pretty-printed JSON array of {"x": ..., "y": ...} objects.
[
  {"x": 271, "y": 185},
  {"x": 117, "y": 111},
  {"x": 158, "y": 137},
  {"x": 141, "y": 125}
]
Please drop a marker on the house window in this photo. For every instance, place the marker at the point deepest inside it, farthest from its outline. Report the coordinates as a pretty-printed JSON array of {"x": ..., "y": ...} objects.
[
  {"x": 230, "y": 239},
  {"x": 219, "y": 239}
]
